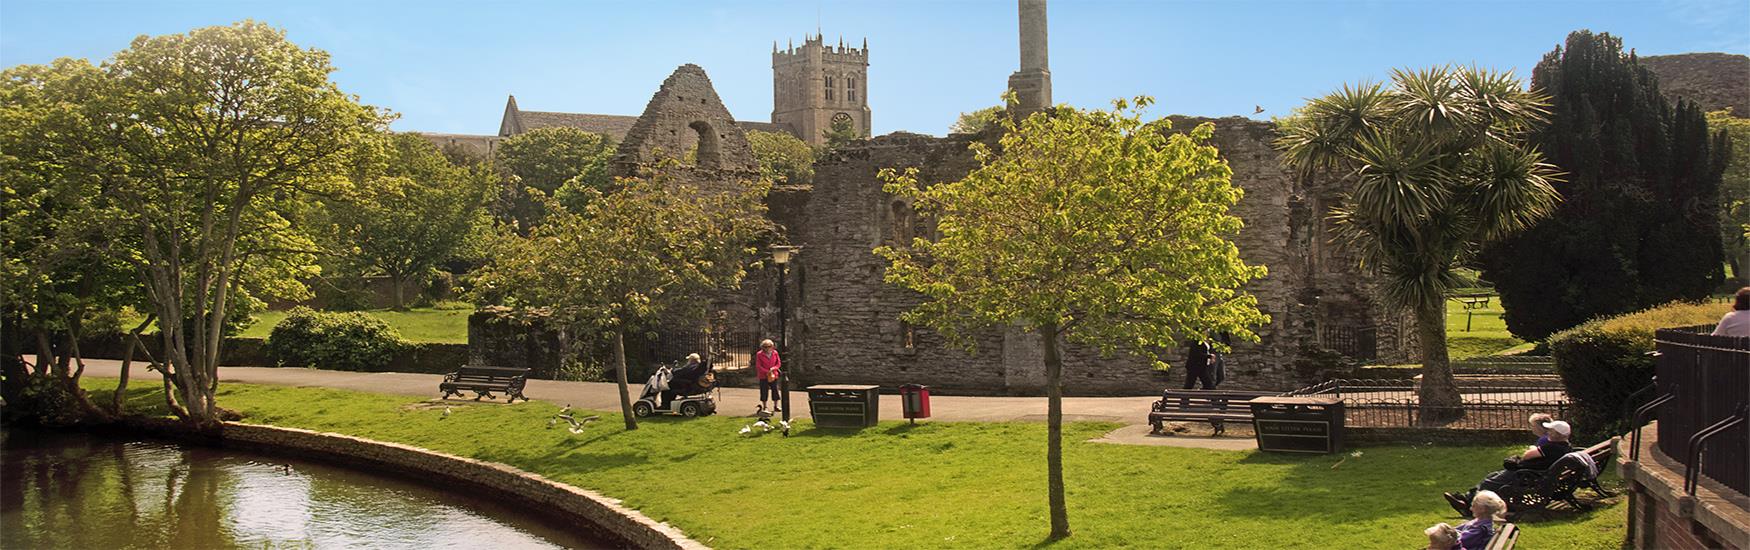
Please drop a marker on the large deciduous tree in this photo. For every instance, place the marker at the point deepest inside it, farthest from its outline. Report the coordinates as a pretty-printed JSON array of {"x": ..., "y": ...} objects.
[
  {"x": 211, "y": 136},
  {"x": 1638, "y": 223},
  {"x": 1085, "y": 227},
  {"x": 1438, "y": 166},
  {"x": 1735, "y": 192},
  {"x": 654, "y": 249},
  {"x": 411, "y": 214},
  {"x": 59, "y": 269},
  {"x": 553, "y": 162}
]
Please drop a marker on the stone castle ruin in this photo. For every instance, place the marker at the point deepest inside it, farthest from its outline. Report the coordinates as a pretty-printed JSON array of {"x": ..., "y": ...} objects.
[{"x": 844, "y": 321}]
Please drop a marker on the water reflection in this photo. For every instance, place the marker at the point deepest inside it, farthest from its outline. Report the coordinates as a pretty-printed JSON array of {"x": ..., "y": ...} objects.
[{"x": 77, "y": 491}]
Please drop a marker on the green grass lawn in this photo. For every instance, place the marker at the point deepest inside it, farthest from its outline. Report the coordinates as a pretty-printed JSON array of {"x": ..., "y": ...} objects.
[
  {"x": 960, "y": 485},
  {"x": 425, "y": 325},
  {"x": 1487, "y": 334}
]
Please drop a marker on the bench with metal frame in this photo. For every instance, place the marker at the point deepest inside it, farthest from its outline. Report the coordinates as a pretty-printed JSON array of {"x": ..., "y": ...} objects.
[
  {"x": 1536, "y": 489},
  {"x": 483, "y": 381},
  {"x": 1217, "y": 407}
]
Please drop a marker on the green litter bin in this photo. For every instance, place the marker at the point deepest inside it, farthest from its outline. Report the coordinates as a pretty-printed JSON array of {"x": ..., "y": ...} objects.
[{"x": 844, "y": 405}]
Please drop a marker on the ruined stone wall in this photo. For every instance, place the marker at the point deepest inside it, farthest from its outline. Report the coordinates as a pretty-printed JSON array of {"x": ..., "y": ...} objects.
[{"x": 848, "y": 320}]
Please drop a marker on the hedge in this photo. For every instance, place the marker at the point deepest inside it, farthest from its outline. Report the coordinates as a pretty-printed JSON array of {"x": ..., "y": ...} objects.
[
  {"x": 1605, "y": 360},
  {"x": 336, "y": 341}
]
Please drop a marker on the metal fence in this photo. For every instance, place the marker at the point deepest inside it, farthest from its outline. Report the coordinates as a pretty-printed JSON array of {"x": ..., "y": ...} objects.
[
  {"x": 1360, "y": 343},
  {"x": 1707, "y": 380},
  {"x": 1486, "y": 402}
]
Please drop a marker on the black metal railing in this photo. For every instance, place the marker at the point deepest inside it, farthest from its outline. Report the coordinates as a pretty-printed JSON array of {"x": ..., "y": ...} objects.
[
  {"x": 1703, "y": 425},
  {"x": 1353, "y": 342},
  {"x": 1484, "y": 402}
]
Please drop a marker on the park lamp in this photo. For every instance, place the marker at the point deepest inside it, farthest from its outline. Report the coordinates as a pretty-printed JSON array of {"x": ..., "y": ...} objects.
[{"x": 781, "y": 253}]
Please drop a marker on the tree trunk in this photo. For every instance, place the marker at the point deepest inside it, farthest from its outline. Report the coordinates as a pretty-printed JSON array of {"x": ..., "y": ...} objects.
[
  {"x": 1438, "y": 395},
  {"x": 620, "y": 377},
  {"x": 397, "y": 282},
  {"x": 121, "y": 383},
  {"x": 1054, "y": 433}
]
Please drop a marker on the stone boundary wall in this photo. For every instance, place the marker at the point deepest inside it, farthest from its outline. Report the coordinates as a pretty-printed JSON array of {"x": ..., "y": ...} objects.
[
  {"x": 537, "y": 494},
  {"x": 1662, "y": 516}
]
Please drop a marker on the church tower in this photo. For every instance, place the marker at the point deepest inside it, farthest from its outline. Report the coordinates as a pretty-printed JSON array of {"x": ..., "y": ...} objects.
[{"x": 815, "y": 85}]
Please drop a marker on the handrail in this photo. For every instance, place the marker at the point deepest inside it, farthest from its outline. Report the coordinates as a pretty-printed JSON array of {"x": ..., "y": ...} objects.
[
  {"x": 1642, "y": 415},
  {"x": 1692, "y": 467}
]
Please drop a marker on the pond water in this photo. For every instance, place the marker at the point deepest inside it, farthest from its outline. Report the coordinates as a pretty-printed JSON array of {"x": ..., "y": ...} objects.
[{"x": 62, "y": 490}]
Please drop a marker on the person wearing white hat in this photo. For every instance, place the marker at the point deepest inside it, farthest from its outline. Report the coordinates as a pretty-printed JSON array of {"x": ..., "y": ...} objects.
[{"x": 1536, "y": 457}]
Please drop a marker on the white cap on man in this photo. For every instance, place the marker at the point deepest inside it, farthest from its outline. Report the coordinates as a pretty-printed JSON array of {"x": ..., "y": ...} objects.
[{"x": 1560, "y": 427}]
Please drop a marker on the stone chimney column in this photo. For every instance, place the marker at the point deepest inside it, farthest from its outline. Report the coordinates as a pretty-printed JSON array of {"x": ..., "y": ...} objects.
[{"x": 1032, "y": 84}]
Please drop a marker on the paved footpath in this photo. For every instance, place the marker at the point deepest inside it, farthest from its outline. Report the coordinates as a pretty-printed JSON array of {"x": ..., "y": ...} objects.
[{"x": 604, "y": 396}]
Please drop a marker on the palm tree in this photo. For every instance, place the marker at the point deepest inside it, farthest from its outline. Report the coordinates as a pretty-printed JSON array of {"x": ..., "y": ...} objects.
[{"x": 1439, "y": 165}]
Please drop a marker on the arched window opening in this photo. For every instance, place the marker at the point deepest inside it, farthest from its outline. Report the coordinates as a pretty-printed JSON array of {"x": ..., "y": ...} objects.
[{"x": 706, "y": 155}]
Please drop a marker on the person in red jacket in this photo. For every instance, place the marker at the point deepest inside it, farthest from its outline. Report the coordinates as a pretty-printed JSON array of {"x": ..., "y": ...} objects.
[{"x": 767, "y": 366}]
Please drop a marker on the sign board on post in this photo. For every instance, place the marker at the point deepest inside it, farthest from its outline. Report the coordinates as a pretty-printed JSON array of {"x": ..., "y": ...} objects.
[{"x": 1305, "y": 424}]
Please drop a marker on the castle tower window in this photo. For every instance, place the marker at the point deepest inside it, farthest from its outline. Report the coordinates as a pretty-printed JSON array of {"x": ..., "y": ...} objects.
[{"x": 829, "y": 88}]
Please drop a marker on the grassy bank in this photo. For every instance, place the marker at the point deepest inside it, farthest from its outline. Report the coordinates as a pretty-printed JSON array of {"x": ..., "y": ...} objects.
[
  {"x": 962, "y": 485},
  {"x": 1487, "y": 333}
]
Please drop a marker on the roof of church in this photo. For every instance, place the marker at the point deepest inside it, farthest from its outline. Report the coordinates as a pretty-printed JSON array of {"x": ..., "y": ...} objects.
[{"x": 615, "y": 126}]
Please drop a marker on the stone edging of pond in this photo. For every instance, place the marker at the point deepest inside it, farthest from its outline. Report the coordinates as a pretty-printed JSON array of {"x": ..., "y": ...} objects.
[{"x": 537, "y": 494}]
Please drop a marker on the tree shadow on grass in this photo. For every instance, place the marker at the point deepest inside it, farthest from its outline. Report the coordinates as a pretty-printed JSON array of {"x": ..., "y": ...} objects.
[{"x": 1374, "y": 483}]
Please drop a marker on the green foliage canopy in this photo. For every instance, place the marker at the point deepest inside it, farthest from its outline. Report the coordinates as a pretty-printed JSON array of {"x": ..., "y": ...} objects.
[
  {"x": 654, "y": 249},
  {"x": 1735, "y": 192},
  {"x": 1083, "y": 226},
  {"x": 783, "y": 158},
  {"x": 415, "y": 212},
  {"x": 551, "y": 162},
  {"x": 201, "y": 147},
  {"x": 976, "y": 121}
]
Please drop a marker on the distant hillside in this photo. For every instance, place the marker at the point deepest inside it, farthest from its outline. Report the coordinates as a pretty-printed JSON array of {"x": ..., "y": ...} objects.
[{"x": 1715, "y": 80}]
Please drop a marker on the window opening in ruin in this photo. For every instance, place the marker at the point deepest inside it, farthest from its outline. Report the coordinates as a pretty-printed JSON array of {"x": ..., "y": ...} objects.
[
  {"x": 899, "y": 223},
  {"x": 707, "y": 155},
  {"x": 907, "y": 335}
]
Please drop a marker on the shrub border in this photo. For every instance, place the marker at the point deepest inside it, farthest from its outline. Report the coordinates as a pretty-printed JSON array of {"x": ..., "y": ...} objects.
[{"x": 531, "y": 492}]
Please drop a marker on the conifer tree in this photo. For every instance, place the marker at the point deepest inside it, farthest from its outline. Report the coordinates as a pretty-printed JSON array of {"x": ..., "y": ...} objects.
[{"x": 1638, "y": 223}]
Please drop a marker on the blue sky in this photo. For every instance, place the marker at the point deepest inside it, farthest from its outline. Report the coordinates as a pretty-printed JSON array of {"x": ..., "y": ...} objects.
[{"x": 447, "y": 66}]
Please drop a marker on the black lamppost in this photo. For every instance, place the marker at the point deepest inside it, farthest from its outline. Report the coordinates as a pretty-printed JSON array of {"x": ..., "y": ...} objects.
[{"x": 781, "y": 255}]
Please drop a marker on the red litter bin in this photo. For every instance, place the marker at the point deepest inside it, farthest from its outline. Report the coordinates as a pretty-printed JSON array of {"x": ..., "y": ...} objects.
[{"x": 914, "y": 399}]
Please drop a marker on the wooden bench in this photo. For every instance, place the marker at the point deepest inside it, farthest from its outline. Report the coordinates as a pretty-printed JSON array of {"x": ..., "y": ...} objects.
[
  {"x": 1505, "y": 536},
  {"x": 1216, "y": 407},
  {"x": 485, "y": 380}
]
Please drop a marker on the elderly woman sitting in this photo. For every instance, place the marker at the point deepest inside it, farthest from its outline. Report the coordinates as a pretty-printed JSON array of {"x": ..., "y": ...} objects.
[
  {"x": 1441, "y": 537},
  {"x": 1488, "y": 508}
]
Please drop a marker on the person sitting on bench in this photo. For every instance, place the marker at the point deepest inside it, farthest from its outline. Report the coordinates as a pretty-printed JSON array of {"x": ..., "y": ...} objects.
[
  {"x": 1489, "y": 510},
  {"x": 1537, "y": 457},
  {"x": 1441, "y": 537}
]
